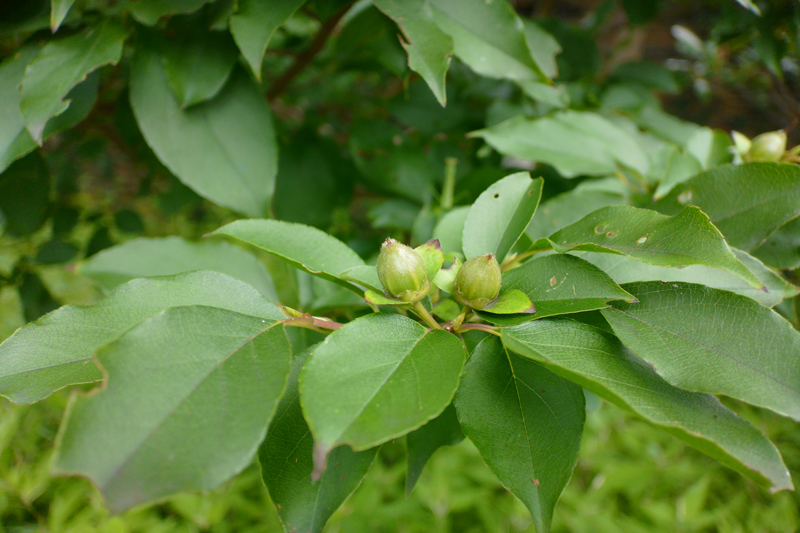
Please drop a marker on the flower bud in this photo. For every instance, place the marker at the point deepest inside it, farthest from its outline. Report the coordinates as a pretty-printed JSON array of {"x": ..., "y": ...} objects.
[
  {"x": 478, "y": 282},
  {"x": 768, "y": 146},
  {"x": 402, "y": 272}
]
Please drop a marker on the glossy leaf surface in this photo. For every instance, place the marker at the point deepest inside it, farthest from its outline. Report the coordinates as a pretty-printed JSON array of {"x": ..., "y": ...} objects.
[
  {"x": 254, "y": 24},
  {"x": 567, "y": 208},
  {"x": 143, "y": 257},
  {"x": 526, "y": 421},
  {"x": 150, "y": 11},
  {"x": 708, "y": 340},
  {"x": 428, "y": 48},
  {"x": 188, "y": 395},
  {"x": 623, "y": 269},
  {"x": 37, "y": 361},
  {"x": 560, "y": 285},
  {"x": 685, "y": 239},
  {"x": 233, "y": 132},
  {"x": 287, "y": 464},
  {"x": 747, "y": 219},
  {"x": 500, "y": 215},
  {"x": 598, "y": 361},
  {"x": 60, "y": 66},
  {"x": 473, "y": 26},
  {"x": 304, "y": 247},
  {"x": 573, "y": 142},
  {"x": 378, "y": 378}
]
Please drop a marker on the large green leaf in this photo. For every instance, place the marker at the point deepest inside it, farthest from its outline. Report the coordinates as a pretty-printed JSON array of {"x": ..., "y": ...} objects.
[
  {"x": 782, "y": 248},
  {"x": 304, "y": 247},
  {"x": 150, "y": 11},
  {"x": 428, "y": 48},
  {"x": 707, "y": 340},
  {"x": 56, "y": 350},
  {"x": 187, "y": 398},
  {"x": 573, "y": 142},
  {"x": 444, "y": 430},
  {"x": 15, "y": 141},
  {"x": 450, "y": 230},
  {"x": 500, "y": 215},
  {"x": 560, "y": 285},
  {"x": 377, "y": 378},
  {"x": 141, "y": 258},
  {"x": 60, "y": 66},
  {"x": 685, "y": 239},
  {"x": 224, "y": 148},
  {"x": 197, "y": 63},
  {"x": 566, "y": 208},
  {"x": 526, "y": 422},
  {"x": 474, "y": 26},
  {"x": 544, "y": 48},
  {"x": 623, "y": 269},
  {"x": 254, "y": 24},
  {"x": 746, "y": 202},
  {"x": 599, "y": 362},
  {"x": 286, "y": 465}
]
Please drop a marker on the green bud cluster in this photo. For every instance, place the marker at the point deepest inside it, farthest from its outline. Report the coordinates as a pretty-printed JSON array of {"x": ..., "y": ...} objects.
[
  {"x": 402, "y": 272},
  {"x": 477, "y": 283}
]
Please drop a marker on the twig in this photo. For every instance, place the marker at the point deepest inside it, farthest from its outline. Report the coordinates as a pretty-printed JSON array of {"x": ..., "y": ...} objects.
[
  {"x": 423, "y": 313},
  {"x": 306, "y": 56}
]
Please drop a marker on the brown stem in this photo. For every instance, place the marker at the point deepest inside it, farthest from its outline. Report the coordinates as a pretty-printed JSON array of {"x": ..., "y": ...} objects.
[
  {"x": 323, "y": 325},
  {"x": 479, "y": 327},
  {"x": 306, "y": 56}
]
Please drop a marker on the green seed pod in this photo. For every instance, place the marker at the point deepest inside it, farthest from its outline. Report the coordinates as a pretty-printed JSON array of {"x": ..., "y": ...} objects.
[
  {"x": 768, "y": 146},
  {"x": 402, "y": 272},
  {"x": 478, "y": 282}
]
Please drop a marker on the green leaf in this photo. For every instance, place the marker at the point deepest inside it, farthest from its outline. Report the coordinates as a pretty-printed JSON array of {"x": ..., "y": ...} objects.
[
  {"x": 140, "y": 258},
  {"x": 450, "y": 230},
  {"x": 254, "y": 24},
  {"x": 197, "y": 64},
  {"x": 377, "y": 298},
  {"x": 24, "y": 195},
  {"x": 526, "y": 422},
  {"x": 566, "y": 208},
  {"x": 685, "y": 239},
  {"x": 301, "y": 246},
  {"x": 444, "y": 430},
  {"x": 58, "y": 11},
  {"x": 377, "y": 378},
  {"x": 364, "y": 275},
  {"x": 676, "y": 167},
  {"x": 782, "y": 249},
  {"x": 445, "y": 279},
  {"x": 746, "y": 202},
  {"x": 575, "y": 143},
  {"x": 478, "y": 41},
  {"x": 15, "y": 141},
  {"x": 559, "y": 285},
  {"x": 598, "y": 361},
  {"x": 431, "y": 253},
  {"x": 543, "y": 47},
  {"x": 233, "y": 132},
  {"x": 428, "y": 48},
  {"x": 60, "y": 66},
  {"x": 150, "y": 11},
  {"x": 707, "y": 340},
  {"x": 511, "y": 302},
  {"x": 37, "y": 361},
  {"x": 624, "y": 269},
  {"x": 500, "y": 215},
  {"x": 188, "y": 395},
  {"x": 286, "y": 465}
]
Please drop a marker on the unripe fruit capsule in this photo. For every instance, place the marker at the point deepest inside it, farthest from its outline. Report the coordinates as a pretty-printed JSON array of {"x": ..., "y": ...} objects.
[
  {"x": 477, "y": 283},
  {"x": 402, "y": 272},
  {"x": 768, "y": 146}
]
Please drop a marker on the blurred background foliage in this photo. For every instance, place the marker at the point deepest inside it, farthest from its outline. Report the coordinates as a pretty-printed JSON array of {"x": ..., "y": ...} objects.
[{"x": 364, "y": 151}]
